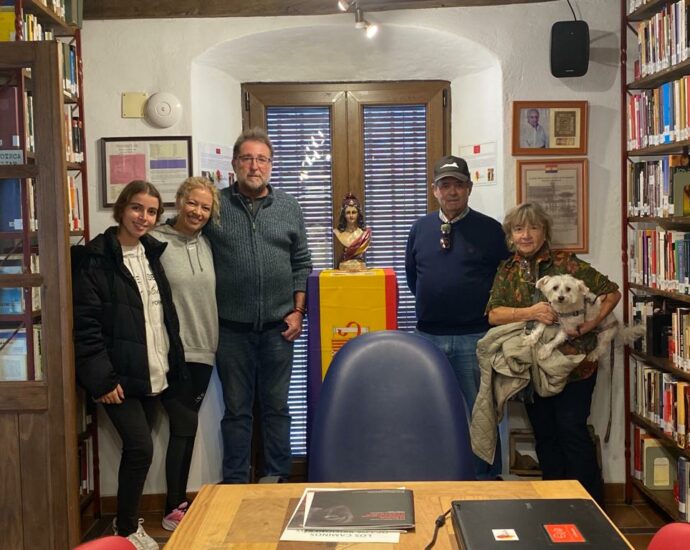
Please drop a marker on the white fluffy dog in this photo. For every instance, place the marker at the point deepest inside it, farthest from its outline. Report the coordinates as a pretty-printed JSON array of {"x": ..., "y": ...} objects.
[{"x": 574, "y": 303}]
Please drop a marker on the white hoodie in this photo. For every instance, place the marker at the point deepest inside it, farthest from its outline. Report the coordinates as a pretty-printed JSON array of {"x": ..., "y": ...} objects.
[{"x": 157, "y": 342}]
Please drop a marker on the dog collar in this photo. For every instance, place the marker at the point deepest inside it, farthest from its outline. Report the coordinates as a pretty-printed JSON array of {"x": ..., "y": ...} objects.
[{"x": 572, "y": 313}]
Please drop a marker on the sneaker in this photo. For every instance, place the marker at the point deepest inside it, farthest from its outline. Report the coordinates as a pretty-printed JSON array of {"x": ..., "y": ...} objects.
[
  {"x": 141, "y": 540},
  {"x": 173, "y": 519}
]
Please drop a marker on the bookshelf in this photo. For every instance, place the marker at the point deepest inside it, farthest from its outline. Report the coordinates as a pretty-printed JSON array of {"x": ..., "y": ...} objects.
[
  {"x": 48, "y": 431},
  {"x": 655, "y": 90}
]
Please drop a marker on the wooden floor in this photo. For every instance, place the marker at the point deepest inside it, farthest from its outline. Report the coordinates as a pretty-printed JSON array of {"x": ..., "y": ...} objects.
[{"x": 638, "y": 522}]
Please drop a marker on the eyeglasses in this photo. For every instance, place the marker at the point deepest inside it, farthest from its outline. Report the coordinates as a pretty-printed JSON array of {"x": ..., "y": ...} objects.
[
  {"x": 260, "y": 160},
  {"x": 445, "y": 236}
]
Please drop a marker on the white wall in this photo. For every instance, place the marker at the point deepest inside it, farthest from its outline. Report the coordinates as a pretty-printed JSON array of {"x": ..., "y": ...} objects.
[
  {"x": 477, "y": 119},
  {"x": 491, "y": 56}
]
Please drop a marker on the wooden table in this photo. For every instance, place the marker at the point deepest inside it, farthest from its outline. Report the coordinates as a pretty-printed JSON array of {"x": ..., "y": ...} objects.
[{"x": 252, "y": 517}]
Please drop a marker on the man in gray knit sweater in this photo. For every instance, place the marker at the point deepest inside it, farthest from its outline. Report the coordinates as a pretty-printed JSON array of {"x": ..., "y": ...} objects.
[{"x": 262, "y": 262}]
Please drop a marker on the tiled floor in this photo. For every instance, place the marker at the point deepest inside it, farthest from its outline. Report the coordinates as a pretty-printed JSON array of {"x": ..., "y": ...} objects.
[{"x": 638, "y": 522}]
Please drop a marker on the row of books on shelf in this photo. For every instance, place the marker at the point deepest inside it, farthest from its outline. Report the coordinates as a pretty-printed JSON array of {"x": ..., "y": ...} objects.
[
  {"x": 656, "y": 186},
  {"x": 14, "y": 301},
  {"x": 667, "y": 330},
  {"x": 86, "y": 475},
  {"x": 15, "y": 365},
  {"x": 663, "y": 39},
  {"x": 10, "y": 128},
  {"x": 69, "y": 65},
  {"x": 662, "y": 399},
  {"x": 75, "y": 204},
  {"x": 657, "y": 468},
  {"x": 11, "y": 211},
  {"x": 32, "y": 29},
  {"x": 11, "y": 205},
  {"x": 10, "y": 117},
  {"x": 634, "y": 4},
  {"x": 659, "y": 258},
  {"x": 659, "y": 116},
  {"x": 74, "y": 130}
]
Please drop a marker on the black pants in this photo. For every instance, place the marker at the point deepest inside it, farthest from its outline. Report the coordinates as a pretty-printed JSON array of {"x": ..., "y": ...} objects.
[
  {"x": 133, "y": 419},
  {"x": 182, "y": 402},
  {"x": 564, "y": 446}
]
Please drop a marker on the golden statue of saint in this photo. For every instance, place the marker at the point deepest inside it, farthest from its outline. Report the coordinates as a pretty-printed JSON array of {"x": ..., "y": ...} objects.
[{"x": 352, "y": 234}]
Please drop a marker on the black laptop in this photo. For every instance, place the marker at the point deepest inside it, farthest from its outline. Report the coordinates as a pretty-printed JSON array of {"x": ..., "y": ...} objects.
[{"x": 533, "y": 524}]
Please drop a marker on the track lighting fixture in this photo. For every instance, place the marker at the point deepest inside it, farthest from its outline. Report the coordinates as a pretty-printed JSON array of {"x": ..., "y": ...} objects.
[{"x": 369, "y": 28}]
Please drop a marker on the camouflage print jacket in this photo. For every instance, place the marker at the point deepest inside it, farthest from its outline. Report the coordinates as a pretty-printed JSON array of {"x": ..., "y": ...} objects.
[{"x": 514, "y": 286}]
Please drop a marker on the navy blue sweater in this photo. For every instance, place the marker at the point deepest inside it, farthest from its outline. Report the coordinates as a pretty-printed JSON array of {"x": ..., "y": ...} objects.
[{"x": 452, "y": 287}]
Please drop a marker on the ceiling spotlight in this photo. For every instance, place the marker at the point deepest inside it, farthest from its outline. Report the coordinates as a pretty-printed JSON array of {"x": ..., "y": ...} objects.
[
  {"x": 370, "y": 28},
  {"x": 344, "y": 5},
  {"x": 360, "y": 22}
]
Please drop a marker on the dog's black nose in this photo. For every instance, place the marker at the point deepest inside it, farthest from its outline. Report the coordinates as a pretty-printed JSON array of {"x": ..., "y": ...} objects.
[{"x": 561, "y": 298}]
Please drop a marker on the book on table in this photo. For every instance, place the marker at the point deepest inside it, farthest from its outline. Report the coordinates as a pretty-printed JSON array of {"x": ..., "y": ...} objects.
[{"x": 365, "y": 509}]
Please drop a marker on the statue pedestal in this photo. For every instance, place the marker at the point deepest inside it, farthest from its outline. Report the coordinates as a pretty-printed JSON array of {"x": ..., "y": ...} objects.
[
  {"x": 351, "y": 266},
  {"x": 342, "y": 305}
]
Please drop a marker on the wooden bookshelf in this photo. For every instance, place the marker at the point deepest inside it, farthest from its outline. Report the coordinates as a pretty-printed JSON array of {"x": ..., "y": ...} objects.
[
  {"x": 649, "y": 129},
  {"x": 41, "y": 499}
]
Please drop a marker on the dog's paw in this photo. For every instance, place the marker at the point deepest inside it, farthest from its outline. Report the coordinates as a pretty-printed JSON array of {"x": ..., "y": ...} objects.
[{"x": 593, "y": 356}]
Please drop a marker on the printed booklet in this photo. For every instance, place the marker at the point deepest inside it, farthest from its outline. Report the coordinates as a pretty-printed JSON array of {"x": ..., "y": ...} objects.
[{"x": 357, "y": 509}]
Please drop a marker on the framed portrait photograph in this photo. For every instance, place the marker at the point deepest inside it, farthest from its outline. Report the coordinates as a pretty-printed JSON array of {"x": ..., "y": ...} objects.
[
  {"x": 549, "y": 128},
  {"x": 560, "y": 187},
  {"x": 164, "y": 161}
]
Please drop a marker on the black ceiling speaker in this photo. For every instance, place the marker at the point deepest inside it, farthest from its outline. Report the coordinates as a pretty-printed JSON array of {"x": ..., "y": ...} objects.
[{"x": 569, "y": 48}]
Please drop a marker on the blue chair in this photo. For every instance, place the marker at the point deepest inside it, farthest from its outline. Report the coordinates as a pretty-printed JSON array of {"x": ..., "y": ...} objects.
[{"x": 390, "y": 409}]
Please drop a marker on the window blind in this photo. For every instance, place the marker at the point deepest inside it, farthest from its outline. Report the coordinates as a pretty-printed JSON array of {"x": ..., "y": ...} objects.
[
  {"x": 395, "y": 189},
  {"x": 395, "y": 172},
  {"x": 301, "y": 138}
]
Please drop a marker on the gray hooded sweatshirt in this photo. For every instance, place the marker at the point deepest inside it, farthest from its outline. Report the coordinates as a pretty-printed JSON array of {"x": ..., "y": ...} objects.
[{"x": 188, "y": 264}]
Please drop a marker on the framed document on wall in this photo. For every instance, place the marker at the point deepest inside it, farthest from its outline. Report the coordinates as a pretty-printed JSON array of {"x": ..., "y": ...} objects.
[
  {"x": 164, "y": 161},
  {"x": 560, "y": 187},
  {"x": 549, "y": 128}
]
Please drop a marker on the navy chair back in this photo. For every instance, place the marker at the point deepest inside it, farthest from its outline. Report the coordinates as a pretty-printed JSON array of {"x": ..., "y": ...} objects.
[{"x": 390, "y": 409}]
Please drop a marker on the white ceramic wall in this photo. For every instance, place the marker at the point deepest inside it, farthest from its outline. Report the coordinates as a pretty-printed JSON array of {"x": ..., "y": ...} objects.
[{"x": 491, "y": 56}]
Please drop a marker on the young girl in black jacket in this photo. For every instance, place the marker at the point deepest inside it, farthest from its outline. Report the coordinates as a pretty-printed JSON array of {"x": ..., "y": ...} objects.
[{"x": 127, "y": 342}]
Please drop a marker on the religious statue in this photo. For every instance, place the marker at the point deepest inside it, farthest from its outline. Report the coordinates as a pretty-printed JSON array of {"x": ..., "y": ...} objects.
[{"x": 352, "y": 234}]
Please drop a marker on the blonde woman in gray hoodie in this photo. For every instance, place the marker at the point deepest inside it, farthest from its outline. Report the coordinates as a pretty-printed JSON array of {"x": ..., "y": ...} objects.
[{"x": 188, "y": 264}]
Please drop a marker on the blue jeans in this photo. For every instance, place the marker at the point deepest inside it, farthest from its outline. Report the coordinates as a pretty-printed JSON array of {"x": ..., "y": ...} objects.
[
  {"x": 461, "y": 351},
  {"x": 255, "y": 364}
]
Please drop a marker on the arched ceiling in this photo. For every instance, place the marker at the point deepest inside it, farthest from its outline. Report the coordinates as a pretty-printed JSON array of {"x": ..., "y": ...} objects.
[{"x": 342, "y": 52}]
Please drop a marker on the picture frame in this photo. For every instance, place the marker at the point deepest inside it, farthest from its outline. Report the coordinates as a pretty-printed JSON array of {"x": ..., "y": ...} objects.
[
  {"x": 164, "y": 161},
  {"x": 549, "y": 128},
  {"x": 560, "y": 186}
]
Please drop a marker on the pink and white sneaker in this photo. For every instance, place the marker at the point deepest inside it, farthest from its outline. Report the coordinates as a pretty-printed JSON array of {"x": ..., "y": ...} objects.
[{"x": 173, "y": 519}]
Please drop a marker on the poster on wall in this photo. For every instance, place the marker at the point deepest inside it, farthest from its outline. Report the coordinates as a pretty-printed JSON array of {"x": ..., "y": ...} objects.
[
  {"x": 560, "y": 186},
  {"x": 215, "y": 163},
  {"x": 481, "y": 160},
  {"x": 164, "y": 161}
]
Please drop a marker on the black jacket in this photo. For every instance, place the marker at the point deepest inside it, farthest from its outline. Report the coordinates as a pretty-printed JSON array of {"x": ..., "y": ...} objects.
[{"x": 109, "y": 325}]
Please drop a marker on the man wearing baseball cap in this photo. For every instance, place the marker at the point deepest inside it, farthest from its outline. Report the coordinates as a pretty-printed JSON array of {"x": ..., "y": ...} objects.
[{"x": 450, "y": 263}]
